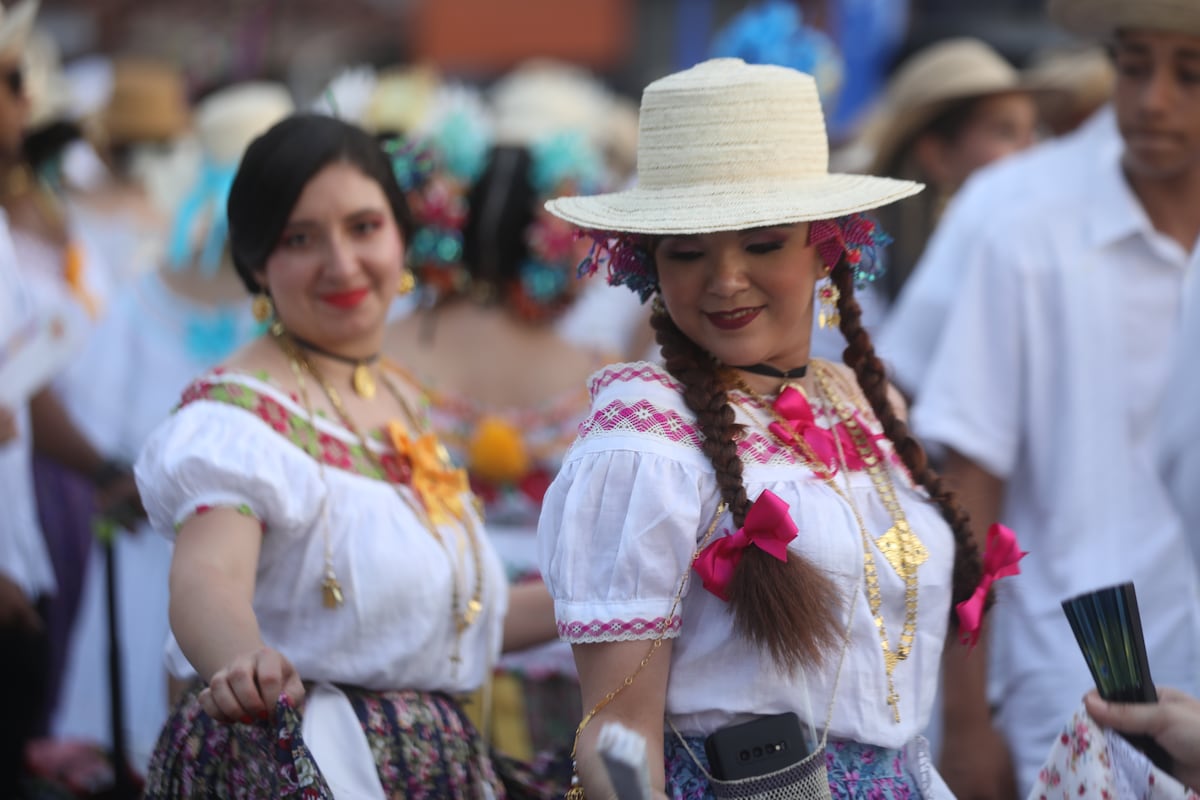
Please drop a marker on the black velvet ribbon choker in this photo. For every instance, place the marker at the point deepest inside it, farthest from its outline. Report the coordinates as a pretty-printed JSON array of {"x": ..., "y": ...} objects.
[
  {"x": 775, "y": 372},
  {"x": 312, "y": 348}
]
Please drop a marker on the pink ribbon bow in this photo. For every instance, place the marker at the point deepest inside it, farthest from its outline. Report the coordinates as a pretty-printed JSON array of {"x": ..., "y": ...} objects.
[
  {"x": 794, "y": 407},
  {"x": 768, "y": 527},
  {"x": 1000, "y": 559}
]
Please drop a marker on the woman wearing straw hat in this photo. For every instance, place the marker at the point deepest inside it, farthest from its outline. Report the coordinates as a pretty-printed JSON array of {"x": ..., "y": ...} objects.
[
  {"x": 950, "y": 109},
  {"x": 746, "y": 532}
]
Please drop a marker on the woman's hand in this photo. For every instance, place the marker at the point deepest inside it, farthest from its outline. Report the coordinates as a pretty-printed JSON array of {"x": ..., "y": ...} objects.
[
  {"x": 1173, "y": 722},
  {"x": 248, "y": 688}
]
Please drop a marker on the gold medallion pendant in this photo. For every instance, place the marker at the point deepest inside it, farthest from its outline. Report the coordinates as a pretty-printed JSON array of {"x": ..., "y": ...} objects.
[
  {"x": 363, "y": 382},
  {"x": 331, "y": 591},
  {"x": 903, "y": 549}
]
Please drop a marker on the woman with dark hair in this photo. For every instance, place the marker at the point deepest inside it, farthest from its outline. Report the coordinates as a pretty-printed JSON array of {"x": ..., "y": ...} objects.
[
  {"x": 328, "y": 558},
  {"x": 508, "y": 387},
  {"x": 827, "y": 555}
]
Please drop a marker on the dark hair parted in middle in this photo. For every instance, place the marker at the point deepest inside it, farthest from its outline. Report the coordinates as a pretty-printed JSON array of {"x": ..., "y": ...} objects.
[{"x": 276, "y": 168}]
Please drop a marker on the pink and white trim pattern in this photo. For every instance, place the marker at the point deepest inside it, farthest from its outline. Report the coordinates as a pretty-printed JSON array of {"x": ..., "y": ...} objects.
[
  {"x": 627, "y": 373},
  {"x": 618, "y": 630},
  {"x": 642, "y": 417}
]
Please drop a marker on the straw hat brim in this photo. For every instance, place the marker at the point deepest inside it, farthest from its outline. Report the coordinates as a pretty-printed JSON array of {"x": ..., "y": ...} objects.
[
  {"x": 1100, "y": 18},
  {"x": 15, "y": 27},
  {"x": 730, "y": 207}
]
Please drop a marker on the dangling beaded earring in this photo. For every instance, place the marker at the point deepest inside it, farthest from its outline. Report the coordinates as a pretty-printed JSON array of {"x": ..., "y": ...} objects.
[
  {"x": 262, "y": 308},
  {"x": 828, "y": 296},
  {"x": 408, "y": 282},
  {"x": 657, "y": 307}
]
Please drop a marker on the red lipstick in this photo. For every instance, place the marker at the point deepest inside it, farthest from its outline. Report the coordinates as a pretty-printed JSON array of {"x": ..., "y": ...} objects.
[
  {"x": 732, "y": 320},
  {"x": 346, "y": 299}
]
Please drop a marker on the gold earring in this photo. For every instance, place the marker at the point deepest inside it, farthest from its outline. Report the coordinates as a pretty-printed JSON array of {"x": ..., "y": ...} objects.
[
  {"x": 408, "y": 282},
  {"x": 828, "y": 296},
  {"x": 657, "y": 307},
  {"x": 262, "y": 308}
]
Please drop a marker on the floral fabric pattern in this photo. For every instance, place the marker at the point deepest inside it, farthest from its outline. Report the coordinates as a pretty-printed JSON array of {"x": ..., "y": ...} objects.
[
  {"x": 424, "y": 747},
  {"x": 856, "y": 771},
  {"x": 322, "y": 446},
  {"x": 1090, "y": 761}
]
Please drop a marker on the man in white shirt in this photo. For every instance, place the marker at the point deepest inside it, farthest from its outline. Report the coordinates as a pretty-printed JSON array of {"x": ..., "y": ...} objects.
[{"x": 1047, "y": 386}]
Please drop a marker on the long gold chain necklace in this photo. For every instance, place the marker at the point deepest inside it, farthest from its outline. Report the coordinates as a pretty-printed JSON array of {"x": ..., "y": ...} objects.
[
  {"x": 330, "y": 586},
  {"x": 891, "y": 658}
]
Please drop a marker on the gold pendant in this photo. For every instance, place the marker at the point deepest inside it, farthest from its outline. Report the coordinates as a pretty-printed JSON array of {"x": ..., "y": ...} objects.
[
  {"x": 363, "y": 383},
  {"x": 902, "y": 549},
  {"x": 331, "y": 590},
  {"x": 472, "y": 612}
]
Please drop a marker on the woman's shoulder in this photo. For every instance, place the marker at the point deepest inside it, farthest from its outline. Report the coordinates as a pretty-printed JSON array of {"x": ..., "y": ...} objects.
[{"x": 634, "y": 378}]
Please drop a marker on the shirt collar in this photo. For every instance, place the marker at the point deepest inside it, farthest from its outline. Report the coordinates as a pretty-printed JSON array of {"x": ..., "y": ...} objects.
[{"x": 1114, "y": 211}]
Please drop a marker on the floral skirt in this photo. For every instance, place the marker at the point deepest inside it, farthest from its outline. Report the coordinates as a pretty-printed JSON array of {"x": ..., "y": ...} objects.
[
  {"x": 855, "y": 771},
  {"x": 423, "y": 745}
]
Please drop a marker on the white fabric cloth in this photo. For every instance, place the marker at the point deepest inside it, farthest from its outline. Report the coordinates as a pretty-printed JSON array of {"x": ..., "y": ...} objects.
[
  {"x": 1050, "y": 374},
  {"x": 395, "y": 629},
  {"x": 23, "y": 555},
  {"x": 335, "y": 738},
  {"x": 138, "y": 363},
  {"x": 624, "y": 516},
  {"x": 1179, "y": 433},
  {"x": 912, "y": 329}
]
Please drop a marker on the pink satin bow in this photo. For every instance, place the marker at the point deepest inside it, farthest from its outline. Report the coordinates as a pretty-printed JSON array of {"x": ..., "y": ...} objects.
[
  {"x": 793, "y": 406},
  {"x": 769, "y": 527},
  {"x": 1000, "y": 559}
]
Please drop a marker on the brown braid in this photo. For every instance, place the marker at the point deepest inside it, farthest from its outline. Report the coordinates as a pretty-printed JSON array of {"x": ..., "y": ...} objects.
[
  {"x": 860, "y": 356},
  {"x": 788, "y": 609}
]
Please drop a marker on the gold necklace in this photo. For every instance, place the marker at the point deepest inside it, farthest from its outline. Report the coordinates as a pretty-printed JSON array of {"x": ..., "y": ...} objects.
[
  {"x": 870, "y": 574},
  {"x": 330, "y": 586}
]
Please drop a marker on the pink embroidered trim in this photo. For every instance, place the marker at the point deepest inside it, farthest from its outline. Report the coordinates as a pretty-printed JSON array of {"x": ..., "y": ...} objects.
[
  {"x": 641, "y": 417},
  {"x": 617, "y": 630},
  {"x": 624, "y": 373}
]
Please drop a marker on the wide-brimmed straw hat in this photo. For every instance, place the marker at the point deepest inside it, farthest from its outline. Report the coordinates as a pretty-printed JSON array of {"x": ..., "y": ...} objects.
[
  {"x": 1102, "y": 18},
  {"x": 929, "y": 82},
  {"x": 149, "y": 102},
  {"x": 726, "y": 146},
  {"x": 15, "y": 24}
]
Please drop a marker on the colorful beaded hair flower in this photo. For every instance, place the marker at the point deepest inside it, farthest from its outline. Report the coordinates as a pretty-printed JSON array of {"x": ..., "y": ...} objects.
[
  {"x": 626, "y": 257},
  {"x": 562, "y": 163},
  {"x": 436, "y": 167}
]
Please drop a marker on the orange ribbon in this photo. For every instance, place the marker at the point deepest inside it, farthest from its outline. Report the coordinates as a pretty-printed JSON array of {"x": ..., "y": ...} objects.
[{"x": 438, "y": 485}]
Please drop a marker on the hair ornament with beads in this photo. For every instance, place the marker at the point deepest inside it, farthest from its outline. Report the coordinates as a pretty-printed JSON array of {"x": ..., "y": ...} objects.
[
  {"x": 436, "y": 166},
  {"x": 858, "y": 238}
]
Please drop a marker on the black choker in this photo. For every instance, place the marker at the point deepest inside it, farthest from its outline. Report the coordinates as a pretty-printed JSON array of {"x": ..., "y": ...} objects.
[
  {"x": 360, "y": 379},
  {"x": 775, "y": 372}
]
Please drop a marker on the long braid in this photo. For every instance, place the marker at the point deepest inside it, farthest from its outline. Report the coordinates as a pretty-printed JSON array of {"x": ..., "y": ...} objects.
[
  {"x": 872, "y": 379},
  {"x": 789, "y": 609}
]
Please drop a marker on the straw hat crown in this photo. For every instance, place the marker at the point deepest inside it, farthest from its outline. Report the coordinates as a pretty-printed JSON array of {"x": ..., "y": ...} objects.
[
  {"x": 232, "y": 117},
  {"x": 943, "y": 73},
  {"x": 725, "y": 146},
  {"x": 1105, "y": 17}
]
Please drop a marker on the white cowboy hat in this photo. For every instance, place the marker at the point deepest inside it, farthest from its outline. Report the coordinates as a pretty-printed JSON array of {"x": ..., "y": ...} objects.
[
  {"x": 15, "y": 25},
  {"x": 228, "y": 120},
  {"x": 727, "y": 145},
  {"x": 1106, "y": 17}
]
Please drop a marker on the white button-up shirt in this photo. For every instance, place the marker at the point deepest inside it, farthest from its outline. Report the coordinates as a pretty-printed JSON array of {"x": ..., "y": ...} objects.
[{"x": 1050, "y": 374}]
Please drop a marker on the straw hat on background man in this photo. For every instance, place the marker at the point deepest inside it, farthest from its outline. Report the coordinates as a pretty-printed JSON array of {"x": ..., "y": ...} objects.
[{"x": 944, "y": 73}]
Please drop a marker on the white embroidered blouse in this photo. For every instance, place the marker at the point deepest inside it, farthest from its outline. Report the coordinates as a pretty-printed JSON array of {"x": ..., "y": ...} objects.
[
  {"x": 634, "y": 497},
  {"x": 238, "y": 442}
]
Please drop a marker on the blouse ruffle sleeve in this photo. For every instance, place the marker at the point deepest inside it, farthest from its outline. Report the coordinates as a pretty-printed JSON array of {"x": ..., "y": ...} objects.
[
  {"x": 621, "y": 521},
  {"x": 210, "y": 455}
]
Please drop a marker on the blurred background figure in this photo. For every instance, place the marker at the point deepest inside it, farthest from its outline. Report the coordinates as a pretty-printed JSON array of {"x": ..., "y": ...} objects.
[
  {"x": 507, "y": 382},
  {"x": 141, "y": 134},
  {"x": 1072, "y": 83},
  {"x": 162, "y": 330},
  {"x": 952, "y": 108}
]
